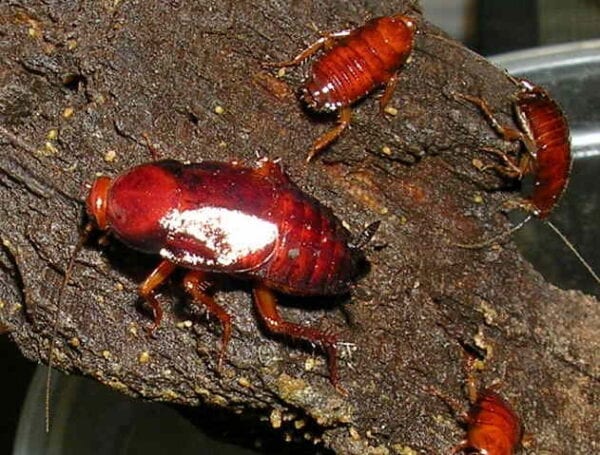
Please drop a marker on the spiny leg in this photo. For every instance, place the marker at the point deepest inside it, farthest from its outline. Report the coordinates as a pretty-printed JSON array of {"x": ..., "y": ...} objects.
[
  {"x": 456, "y": 406},
  {"x": 266, "y": 305},
  {"x": 331, "y": 135},
  {"x": 196, "y": 284},
  {"x": 153, "y": 150},
  {"x": 147, "y": 288},
  {"x": 509, "y": 168},
  {"x": 527, "y": 161},
  {"x": 326, "y": 41},
  {"x": 507, "y": 133}
]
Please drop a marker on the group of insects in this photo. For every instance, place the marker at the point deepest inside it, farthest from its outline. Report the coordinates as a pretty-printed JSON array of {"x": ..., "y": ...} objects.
[{"x": 190, "y": 214}]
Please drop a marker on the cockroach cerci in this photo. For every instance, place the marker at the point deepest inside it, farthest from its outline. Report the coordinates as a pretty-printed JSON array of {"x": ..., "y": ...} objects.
[
  {"x": 354, "y": 63},
  {"x": 224, "y": 218},
  {"x": 544, "y": 133}
]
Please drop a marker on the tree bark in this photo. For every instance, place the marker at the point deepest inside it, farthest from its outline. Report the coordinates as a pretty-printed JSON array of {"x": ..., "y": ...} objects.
[{"x": 83, "y": 80}]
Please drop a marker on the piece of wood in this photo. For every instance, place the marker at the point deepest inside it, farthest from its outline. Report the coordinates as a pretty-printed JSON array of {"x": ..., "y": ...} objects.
[{"x": 189, "y": 74}]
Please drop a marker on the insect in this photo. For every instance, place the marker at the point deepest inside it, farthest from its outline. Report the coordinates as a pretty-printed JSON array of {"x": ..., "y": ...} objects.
[
  {"x": 223, "y": 218},
  {"x": 493, "y": 427},
  {"x": 354, "y": 63},
  {"x": 545, "y": 135},
  {"x": 544, "y": 132}
]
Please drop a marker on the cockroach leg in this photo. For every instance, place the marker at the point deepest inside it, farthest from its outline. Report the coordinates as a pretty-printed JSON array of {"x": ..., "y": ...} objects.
[
  {"x": 326, "y": 41},
  {"x": 508, "y": 169},
  {"x": 146, "y": 291},
  {"x": 266, "y": 305},
  {"x": 196, "y": 284},
  {"x": 153, "y": 150},
  {"x": 455, "y": 406},
  {"x": 390, "y": 87},
  {"x": 331, "y": 135},
  {"x": 507, "y": 133}
]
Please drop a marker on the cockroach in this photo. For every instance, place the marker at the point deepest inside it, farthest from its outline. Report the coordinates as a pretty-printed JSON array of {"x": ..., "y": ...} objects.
[
  {"x": 544, "y": 133},
  {"x": 210, "y": 218},
  {"x": 493, "y": 427},
  {"x": 252, "y": 223},
  {"x": 354, "y": 63}
]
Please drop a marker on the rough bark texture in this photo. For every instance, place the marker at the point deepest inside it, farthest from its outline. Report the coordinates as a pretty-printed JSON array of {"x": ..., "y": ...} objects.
[{"x": 130, "y": 67}]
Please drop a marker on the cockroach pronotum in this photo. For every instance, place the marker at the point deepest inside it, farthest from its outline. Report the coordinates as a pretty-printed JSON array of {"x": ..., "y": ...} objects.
[
  {"x": 354, "y": 63},
  {"x": 252, "y": 223},
  {"x": 544, "y": 132}
]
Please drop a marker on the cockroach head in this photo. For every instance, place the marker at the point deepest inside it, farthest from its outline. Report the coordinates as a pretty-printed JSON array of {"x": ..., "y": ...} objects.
[
  {"x": 318, "y": 100},
  {"x": 409, "y": 22},
  {"x": 96, "y": 202}
]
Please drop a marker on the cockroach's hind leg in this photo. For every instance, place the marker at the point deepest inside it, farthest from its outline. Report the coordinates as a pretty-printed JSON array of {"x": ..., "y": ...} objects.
[{"x": 266, "y": 305}]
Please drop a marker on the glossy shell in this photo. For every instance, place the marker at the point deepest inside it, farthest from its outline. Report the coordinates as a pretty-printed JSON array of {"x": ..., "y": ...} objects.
[
  {"x": 226, "y": 218},
  {"x": 358, "y": 63},
  {"x": 546, "y": 125},
  {"x": 493, "y": 426}
]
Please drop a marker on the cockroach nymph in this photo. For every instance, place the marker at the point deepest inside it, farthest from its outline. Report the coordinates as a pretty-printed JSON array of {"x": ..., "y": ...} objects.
[
  {"x": 546, "y": 155},
  {"x": 354, "y": 63}
]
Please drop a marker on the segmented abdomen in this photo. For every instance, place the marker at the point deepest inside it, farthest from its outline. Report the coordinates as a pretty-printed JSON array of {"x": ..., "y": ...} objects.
[
  {"x": 312, "y": 256},
  {"x": 551, "y": 134},
  {"x": 493, "y": 425},
  {"x": 364, "y": 60}
]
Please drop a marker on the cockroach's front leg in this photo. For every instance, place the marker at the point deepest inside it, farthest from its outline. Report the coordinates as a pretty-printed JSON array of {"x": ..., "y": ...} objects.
[
  {"x": 326, "y": 41},
  {"x": 507, "y": 133},
  {"x": 390, "y": 87},
  {"x": 509, "y": 168},
  {"x": 147, "y": 288}
]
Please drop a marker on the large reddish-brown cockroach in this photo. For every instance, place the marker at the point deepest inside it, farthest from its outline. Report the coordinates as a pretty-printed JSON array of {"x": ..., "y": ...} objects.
[
  {"x": 544, "y": 133},
  {"x": 354, "y": 63},
  {"x": 223, "y": 218}
]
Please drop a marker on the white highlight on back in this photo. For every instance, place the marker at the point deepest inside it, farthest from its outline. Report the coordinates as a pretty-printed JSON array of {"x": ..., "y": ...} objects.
[{"x": 229, "y": 234}]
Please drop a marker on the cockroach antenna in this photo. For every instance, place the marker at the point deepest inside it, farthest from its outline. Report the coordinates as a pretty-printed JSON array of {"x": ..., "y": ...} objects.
[
  {"x": 496, "y": 239},
  {"x": 506, "y": 234},
  {"x": 83, "y": 236},
  {"x": 569, "y": 245}
]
